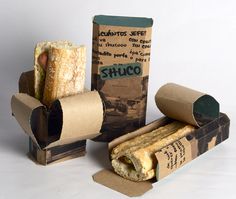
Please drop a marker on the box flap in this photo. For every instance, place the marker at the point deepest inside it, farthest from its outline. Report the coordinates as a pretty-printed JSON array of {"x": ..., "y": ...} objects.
[
  {"x": 27, "y": 111},
  {"x": 122, "y": 185},
  {"x": 26, "y": 83},
  {"x": 187, "y": 105},
  {"x": 76, "y": 117},
  {"x": 123, "y": 21}
]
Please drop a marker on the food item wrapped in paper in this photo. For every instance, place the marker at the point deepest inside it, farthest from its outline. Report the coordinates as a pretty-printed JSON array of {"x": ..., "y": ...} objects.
[
  {"x": 59, "y": 70},
  {"x": 135, "y": 159}
]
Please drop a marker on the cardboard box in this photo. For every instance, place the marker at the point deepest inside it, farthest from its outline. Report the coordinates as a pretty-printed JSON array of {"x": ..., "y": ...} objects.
[
  {"x": 120, "y": 69},
  {"x": 57, "y": 153},
  {"x": 60, "y": 132},
  {"x": 182, "y": 151}
]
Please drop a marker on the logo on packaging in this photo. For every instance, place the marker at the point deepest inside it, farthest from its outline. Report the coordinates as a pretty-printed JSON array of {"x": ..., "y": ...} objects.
[{"x": 120, "y": 71}]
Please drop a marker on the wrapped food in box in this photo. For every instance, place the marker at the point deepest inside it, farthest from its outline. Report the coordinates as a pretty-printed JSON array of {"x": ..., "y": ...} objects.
[
  {"x": 165, "y": 145},
  {"x": 59, "y": 132}
]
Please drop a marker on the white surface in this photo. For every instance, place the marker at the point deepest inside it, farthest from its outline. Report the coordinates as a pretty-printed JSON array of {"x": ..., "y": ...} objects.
[{"x": 194, "y": 44}]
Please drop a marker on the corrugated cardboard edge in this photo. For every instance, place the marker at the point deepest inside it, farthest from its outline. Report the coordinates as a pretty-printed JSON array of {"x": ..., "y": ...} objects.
[{"x": 111, "y": 180}]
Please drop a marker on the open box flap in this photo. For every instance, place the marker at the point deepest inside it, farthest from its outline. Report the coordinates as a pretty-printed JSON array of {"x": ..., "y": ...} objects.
[
  {"x": 76, "y": 117},
  {"x": 26, "y": 110},
  {"x": 113, "y": 181},
  {"x": 187, "y": 105}
]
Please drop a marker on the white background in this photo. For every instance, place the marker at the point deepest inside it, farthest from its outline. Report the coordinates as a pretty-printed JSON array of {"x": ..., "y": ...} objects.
[{"x": 194, "y": 44}]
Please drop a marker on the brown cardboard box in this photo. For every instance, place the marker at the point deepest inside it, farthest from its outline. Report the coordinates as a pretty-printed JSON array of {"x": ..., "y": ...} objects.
[
  {"x": 120, "y": 69},
  {"x": 194, "y": 145},
  {"x": 179, "y": 103},
  {"x": 57, "y": 153},
  {"x": 60, "y": 132}
]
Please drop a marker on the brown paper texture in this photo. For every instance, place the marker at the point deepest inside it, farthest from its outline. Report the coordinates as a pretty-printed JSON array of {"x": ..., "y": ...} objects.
[
  {"x": 120, "y": 68},
  {"x": 56, "y": 154},
  {"x": 132, "y": 189},
  {"x": 81, "y": 117},
  {"x": 186, "y": 149},
  {"x": 26, "y": 83},
  {"x": 187, "y": 105},
  {"x": 172, "y": 157},
  {"x": 24, "y": 108},
  {"x": 132, "y": 48}
]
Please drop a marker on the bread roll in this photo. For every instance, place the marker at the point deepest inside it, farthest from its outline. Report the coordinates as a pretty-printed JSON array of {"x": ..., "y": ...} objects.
[
  {"x": 40, "y": 65},
  {"x": 59, "y": 70},
  {"x": 135, "y": 158}
]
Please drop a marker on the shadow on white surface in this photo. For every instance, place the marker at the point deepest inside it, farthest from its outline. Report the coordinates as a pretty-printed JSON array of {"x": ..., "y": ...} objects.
[
  {"x": 16, "y": 143},
  {"x": 98, "y": 152}
]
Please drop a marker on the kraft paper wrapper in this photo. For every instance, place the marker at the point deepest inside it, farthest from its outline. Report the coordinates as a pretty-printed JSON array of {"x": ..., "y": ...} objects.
[
  {"x": 187, "y": 105},
  {"x": 81, "y": 117},
  {"x": 25, "y": 109}
]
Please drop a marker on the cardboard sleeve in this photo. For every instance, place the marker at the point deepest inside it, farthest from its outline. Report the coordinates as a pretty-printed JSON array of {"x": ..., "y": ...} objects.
[
  {"x": 76, "y": 117},
  {"x": 187, "y": 105},
  {"x": 70, "y": 119},
  {"x": 30, "y": 114}
]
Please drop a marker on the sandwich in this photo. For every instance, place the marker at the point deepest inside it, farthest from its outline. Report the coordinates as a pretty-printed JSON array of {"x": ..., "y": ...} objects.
[
  {"x": 135, "y": 159},
  {"x": 59, "y": 70}
]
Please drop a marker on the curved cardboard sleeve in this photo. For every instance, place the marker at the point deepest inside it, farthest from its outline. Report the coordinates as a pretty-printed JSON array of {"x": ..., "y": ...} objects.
[
  {"x": 27, "y": 111},
  {"x": 79, "y": 117},
  {"x": 187, "y": 105}
]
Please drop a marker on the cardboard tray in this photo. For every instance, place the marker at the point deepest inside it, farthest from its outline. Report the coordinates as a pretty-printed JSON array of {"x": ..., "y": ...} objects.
[{"x": 184, "y": 150}]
